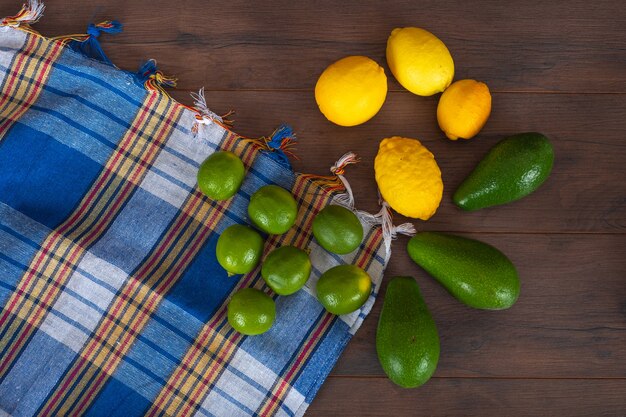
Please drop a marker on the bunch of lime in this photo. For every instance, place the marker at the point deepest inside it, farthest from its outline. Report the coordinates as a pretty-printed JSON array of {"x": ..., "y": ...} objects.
[{"x": 273, "y": 210}]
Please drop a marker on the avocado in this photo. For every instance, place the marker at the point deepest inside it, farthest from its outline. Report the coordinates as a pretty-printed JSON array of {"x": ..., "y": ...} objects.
[
  {"x": 513, "y": 168},
  {"x": 474, "y": 272},
  {"x": 407, "y": 342}
]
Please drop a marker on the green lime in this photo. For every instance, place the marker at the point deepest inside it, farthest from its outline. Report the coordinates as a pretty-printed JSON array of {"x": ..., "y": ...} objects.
[
  {"x": 251, "y": 311},
  {"x": 343, "y": 289},
  {"x": 337, "y": 229},
  {"x": 239, "y": 249},
  {"x": 286, "y": 269},
  {"x": 273, "y": 209},
  {"x": 221, "y": 175}
]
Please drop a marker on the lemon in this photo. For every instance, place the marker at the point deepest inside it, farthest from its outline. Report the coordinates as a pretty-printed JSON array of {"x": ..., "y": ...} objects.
[
  {"x": 343, "y": 289},
  {"x": 239, "y": 249},
  {"x": 463, "y": 109},
  {"x": 351, "y": 91},
  {"x": 273, "y": 209},
  {"x": 251, "y": 311},
  {"x": 221, "y": 175},
  {"x": 419, "y": 60},
  {"x": 408, "y": 177},
  {"x": 337, "y": 229},
  {"x": 286, "y": 269}
]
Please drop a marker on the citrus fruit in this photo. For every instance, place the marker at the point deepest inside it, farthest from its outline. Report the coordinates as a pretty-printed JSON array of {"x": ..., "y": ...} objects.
[
  {"x": 337, "y": 229},
  {"x": 419, "y": 61},
  {"x": 221, "y": 175},
  {"x": 272, "y": 209},
  {"x": 351, "y": 91},
  {"x": 408, "y": 177},
  {"x": 251, "y": 311},
  {"x": 463, "y": 109},
  {"x": 239, "y": 249},
  {"x": 343, "y": 289},
  {"x": 286, "y": 269}
]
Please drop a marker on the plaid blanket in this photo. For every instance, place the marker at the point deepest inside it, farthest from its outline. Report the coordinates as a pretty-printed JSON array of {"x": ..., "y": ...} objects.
[{"x": 112, "y": 301}]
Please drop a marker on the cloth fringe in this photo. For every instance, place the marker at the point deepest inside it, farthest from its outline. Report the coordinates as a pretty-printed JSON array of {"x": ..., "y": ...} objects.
[
  {"x": 153, "y": 78},
  {"x": 30, "y": 13}
]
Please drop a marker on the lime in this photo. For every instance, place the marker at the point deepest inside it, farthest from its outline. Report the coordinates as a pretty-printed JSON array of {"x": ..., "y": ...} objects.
[
  {"x": 221, "y": 175},
  {"x": 286, "y": 269},
  {"x": 251, "y": 311},
  {"x": 273, "y": 209},
  {"x": 337, "y": 229},
  {"x": 343, "y": 289},
  {"x": 239, "y": 249}
]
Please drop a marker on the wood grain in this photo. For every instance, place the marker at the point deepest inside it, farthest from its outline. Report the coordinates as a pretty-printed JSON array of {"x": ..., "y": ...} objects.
[
  {"x": 570, "y": 319},
  {"x": 529, "y": 46},
  {"x": 472, "y": 397},
  {"x": 557, "y": 67}
]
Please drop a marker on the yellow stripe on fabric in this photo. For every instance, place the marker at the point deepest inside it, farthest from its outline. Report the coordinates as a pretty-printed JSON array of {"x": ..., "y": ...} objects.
[
  {"x": 25, "y": 78},
  {"x": 135, "y": 303},
  {"x": 63, "y": 248},
  {"x": 212, "y": 350}
]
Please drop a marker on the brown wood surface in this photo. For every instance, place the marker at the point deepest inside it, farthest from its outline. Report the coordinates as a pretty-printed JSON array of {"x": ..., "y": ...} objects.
[{"x": 557, "y": 67}]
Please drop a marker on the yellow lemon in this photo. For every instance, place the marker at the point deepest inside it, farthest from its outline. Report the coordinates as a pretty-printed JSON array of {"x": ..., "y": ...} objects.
[
  {"x": 464, "y": 109},
  {"x": 351, "y": 91},
  {"x": 419, "y": 61},
  {"x": 408, "y": 177}
]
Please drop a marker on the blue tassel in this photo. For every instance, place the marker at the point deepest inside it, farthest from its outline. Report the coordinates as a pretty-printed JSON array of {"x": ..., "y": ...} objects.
[
  {"x": 147, "y": 69},
  {"x": 282, "y": 137},
  {"x": 91, "y": 46}
]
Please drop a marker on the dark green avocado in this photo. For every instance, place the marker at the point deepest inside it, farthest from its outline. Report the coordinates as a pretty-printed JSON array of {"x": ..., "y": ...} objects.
[
  {"x": 513, "y": 168},
  {"x": 474, "y": 272},
  {"x": 407, "y": 341}
]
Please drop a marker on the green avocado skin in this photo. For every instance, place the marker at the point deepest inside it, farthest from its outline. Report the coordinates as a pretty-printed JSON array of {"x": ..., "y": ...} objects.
[
  {"x": 475, "y": 273},
  {"x": 407, "y": 341},
  {"x": 513, "y": 168}
]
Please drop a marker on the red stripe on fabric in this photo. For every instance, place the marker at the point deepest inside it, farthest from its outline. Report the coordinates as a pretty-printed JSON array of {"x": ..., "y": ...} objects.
[
  {"x": 116, "y": 308},
  {"x": 47, "y": 250},
  {"x": 28, "y": 100},
  {"x": 217, "y": 211},
  {"x": 13, "y": 74},
  {"x": 160, "y": 288},
  {"x": 211, "y": 325}
]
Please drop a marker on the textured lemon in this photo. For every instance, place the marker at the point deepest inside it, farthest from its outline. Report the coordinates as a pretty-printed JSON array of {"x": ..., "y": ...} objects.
[
  {"x": 463, "y": 109},
  {"x": 408, "y": 177},
  {"x": 351, "y": 91},
  {"x": 420, "y": 61}
]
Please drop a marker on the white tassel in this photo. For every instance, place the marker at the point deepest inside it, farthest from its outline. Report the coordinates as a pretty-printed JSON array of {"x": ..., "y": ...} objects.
[
  {"x": 208, "y": 116},
  {"x": 390, "y": 232},
  {"x": 345, "y": 199},
  {"x": 31, "y": 13}
]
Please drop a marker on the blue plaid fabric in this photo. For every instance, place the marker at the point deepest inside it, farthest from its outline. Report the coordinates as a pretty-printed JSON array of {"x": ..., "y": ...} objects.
[{"x": 112, "y": 302}]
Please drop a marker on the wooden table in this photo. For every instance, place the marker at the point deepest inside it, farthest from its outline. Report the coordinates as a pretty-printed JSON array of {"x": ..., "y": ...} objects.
[{"x": 555, "y": 67}]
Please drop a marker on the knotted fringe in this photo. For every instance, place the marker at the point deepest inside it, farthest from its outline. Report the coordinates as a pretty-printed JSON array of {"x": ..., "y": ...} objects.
[
  {"x": 346, "y": 199},
  {"x": 153, "y": 78},
  {"x": 390, "y": 232},
  {"x": 88, "y": 43},
  {"x": 283, "y": 139},
  {"x": 205, "y": 116},
  {"x": 30, "y": 13}
]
